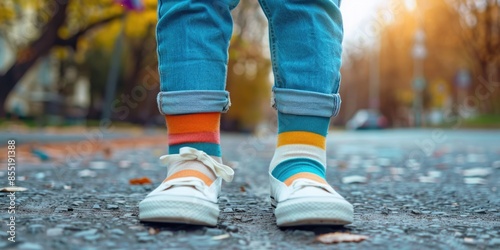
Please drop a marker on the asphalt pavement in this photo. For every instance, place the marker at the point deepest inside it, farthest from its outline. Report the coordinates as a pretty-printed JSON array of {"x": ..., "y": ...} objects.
[{"x": 411, "y": 189}]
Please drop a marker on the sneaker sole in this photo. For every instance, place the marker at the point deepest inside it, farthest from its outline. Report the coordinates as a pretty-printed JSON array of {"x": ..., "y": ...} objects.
[
  {"x": 185, "y": 210},
  {"x": 312, "y": 211}
]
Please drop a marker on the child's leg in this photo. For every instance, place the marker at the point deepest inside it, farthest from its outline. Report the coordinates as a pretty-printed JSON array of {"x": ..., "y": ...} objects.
[
  {"x": 306, "y": 46},
  {"x": 193, "y": 40}
]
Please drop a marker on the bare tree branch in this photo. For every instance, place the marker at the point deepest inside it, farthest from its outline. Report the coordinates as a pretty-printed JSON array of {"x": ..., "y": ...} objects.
[{"x": 72, "y": 41}]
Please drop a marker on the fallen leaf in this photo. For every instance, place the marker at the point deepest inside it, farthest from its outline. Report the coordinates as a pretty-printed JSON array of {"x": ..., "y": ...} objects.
[
  {"x": 140, "y": 181},
  {"x": 12, "y": 189},
  {"x": 337, "y": 237},
  {"x": 343, "y": 165},
  {"x": 107, "y": 152},
  {"x": 354, "y": 179}
]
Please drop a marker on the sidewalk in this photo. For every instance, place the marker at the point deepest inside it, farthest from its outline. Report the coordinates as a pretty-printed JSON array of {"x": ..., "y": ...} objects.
[{"x": 402, "y": 204}]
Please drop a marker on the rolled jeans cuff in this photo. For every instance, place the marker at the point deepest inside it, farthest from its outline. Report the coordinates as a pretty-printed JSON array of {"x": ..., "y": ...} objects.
[
  {"x": 193, "y": 101},
  {"x": 301, "y": 102}
]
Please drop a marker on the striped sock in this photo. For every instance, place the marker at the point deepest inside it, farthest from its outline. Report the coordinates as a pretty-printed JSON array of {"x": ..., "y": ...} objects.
[
  {"x": 300, "y": 151},
  {"x": 199, "y": 131}
]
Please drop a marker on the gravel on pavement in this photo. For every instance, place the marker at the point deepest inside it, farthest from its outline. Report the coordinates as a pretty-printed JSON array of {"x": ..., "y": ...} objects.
[{"x": 410, "y": 190}]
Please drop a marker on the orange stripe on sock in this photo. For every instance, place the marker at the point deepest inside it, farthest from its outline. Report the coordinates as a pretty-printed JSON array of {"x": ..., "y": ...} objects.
[
  {"x": 309, "y": 176},
  {"x": 210, "y": 137},
  {"x": 301, "y": 137},
  {"x": 192, "y": 123},
  {"x": 191, "y": 173}
]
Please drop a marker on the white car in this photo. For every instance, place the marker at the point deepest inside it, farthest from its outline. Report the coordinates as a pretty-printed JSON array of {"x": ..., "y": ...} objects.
[{"x": 367, "y": 119}]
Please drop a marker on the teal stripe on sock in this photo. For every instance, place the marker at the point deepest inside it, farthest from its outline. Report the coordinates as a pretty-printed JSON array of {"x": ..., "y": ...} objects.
[
  {"x": 209, "y": 148},
  {"x": 315, "y": 124},
  {"x": 288, "y": 168}
]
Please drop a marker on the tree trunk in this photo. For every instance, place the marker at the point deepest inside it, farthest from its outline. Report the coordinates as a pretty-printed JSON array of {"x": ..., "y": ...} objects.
[
  {"x": 40, "y": 47},
  {"x": 29, "y": 56}
]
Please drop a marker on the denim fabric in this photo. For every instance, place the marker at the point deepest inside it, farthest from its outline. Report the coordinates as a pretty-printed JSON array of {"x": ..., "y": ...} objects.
[
  {"x": 303, "y": 102},
  {"x": 193, "y": 40},
  {"x": 193, "y": 101},
  {"x": 306, "y": 46}
]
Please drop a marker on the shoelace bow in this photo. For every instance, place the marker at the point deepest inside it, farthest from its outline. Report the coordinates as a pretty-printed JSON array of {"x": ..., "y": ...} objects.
[
  {"x": 189, "y": 154},
  {"x": 297, "y": 185}
]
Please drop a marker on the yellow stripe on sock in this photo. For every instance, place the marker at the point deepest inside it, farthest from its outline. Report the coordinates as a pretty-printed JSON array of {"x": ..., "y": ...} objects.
[
  {"x": 191, "y": 173},
  {"x": 309, "y": 176},
  {"x": 301, "y": 137}
]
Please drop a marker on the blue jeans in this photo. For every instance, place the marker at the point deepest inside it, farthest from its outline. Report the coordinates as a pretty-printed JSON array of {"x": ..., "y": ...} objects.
[{"x": 305, "y": 42}]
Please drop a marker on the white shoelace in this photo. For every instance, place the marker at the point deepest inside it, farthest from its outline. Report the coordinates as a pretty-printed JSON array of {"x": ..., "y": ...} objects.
[
  {"x": 189, "y": 154},
  {"x": 302, "y": 183}
]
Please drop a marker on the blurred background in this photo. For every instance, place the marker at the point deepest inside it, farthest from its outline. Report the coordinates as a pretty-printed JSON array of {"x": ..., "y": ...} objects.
[{"x": 407, "y": 63}]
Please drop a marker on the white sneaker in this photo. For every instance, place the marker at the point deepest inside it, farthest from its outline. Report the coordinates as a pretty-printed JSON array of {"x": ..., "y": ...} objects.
[
  {"x": 307, "y": 202},
  {"x": 186, "y": 200}
]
